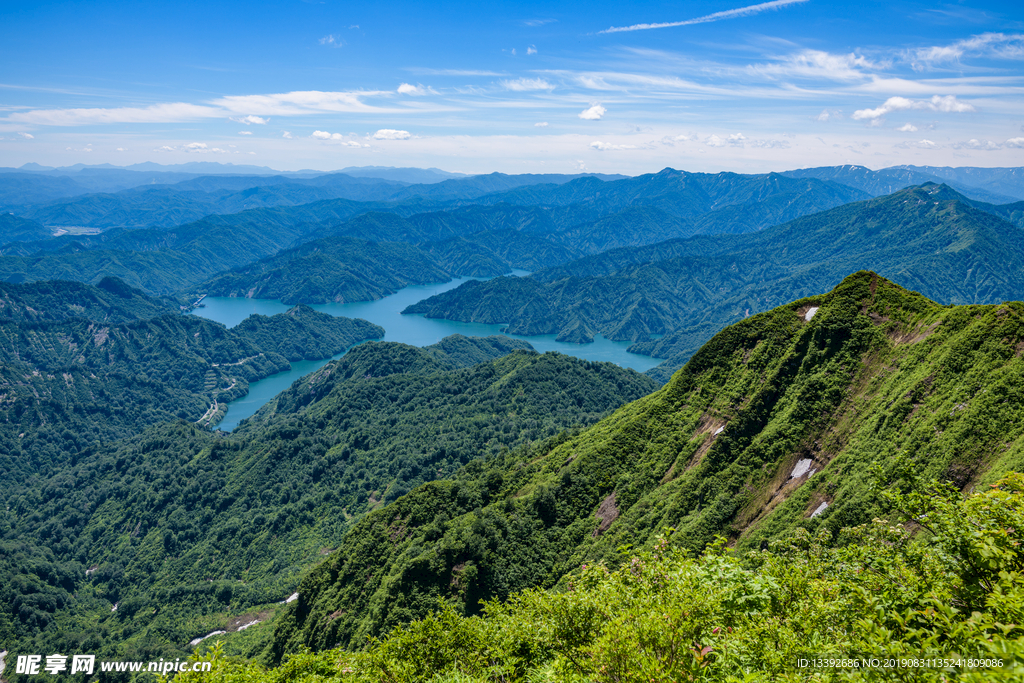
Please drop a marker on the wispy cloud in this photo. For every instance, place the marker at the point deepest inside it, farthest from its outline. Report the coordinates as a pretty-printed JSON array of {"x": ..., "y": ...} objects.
[
  {"x": 542, "y": 124},
  {"x": 391, "y": 134},
  {"x": 948, "y": 104},
  {"x": 157, "y": 113},
  {"x": 827, "y": 115},
  {"x": 26, "y": 136},
  {"x": 452, "y": 72},
  {"x": 288, "y": 136},
  {"x": 249, "y": 120},
  {"x": 538, "y": 22},
  {"x": 604, "y": 146},
  {"x": 191, "y": 148},
  {"x": 907, "y": 128},
  {"x": 816, "y": 64},
  {"x": 920, "y": 144},
  {"x": 245, "y": 132},
  {"x": 526, "y": 84},
  {"x": 531, "y": 50},
  {"x": 332, "y": 137},
  {"x": 717, "y": 16},
  {"x": 594, "y": 113},
  {"x": 332, "y": 40},
  {"x": 998, "y": 45},
  {"x": 250, "y": 108}
]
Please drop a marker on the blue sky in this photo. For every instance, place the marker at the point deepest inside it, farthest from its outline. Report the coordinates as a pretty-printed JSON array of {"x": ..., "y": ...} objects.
[{"x": 518, "y": 87}]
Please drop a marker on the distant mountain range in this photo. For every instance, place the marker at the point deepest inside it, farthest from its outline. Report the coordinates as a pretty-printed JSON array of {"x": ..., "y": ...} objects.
[{"x": 930, "y": 238}]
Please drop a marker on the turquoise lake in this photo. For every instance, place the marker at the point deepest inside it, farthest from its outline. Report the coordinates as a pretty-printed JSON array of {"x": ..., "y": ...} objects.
[{"x": 409, "y": 329}]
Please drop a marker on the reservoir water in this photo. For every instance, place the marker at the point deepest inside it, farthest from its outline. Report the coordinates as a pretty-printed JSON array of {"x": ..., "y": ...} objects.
[{"x": 409, "y": 329}]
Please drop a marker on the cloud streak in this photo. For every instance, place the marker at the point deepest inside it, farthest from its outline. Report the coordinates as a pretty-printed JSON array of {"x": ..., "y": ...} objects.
[
  {"x": 717, "y": 16},
  {"x": 948, "y": 104}
]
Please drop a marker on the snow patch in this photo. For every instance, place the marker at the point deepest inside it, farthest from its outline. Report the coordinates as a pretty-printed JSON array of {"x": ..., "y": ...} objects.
[
  {"x": 719, "y": 431},
  {"x": 196, "y": 641},
  {"x": 291, "y": 598},
  {"x": 810, "y": 312},
  {"x": 821, "y": 508},
  {"x": 251, "y": 623},
  {"x": 114, "y": 608},
  {"x": 802, "y": 466}
]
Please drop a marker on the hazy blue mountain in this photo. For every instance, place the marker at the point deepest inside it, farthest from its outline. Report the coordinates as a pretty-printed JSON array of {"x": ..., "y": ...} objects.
[
  {"x": 1005, "y": 181},
  {"x": 416, "y": 176},
  {"x": 16, "y": 229},
  {"x": 889, "y": 180}
]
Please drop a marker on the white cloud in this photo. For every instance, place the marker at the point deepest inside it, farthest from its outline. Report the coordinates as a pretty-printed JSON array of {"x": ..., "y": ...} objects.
[
  {"x": 391, "y": 134},
  {"x": 452, "y": 72},
  {"x": 531, "y": 50},
  {"x": 920, "y": 144},
  {"x": 948, "y": 104},
  {"x": 324, "y": 135},
  {"x": 191, "y": 148},
  {"x": 201, "y": 148},
  {"x": 539, "y": 22},
  {"x": 827, "y": 115},
  {"x": 542, "y": 124},
  {"x": 604, "y": 146},
  {"x": 249, "y": 120},
  {"x": 717, "y": 16},
  {"x": 526, "y": 84},
  {"x": 332, "y": 40},
  {"x": 594, "y": 113},
  {"x": 771, "y": 144},
  {"x": 988, "y": 145},
  {"x": 999, "y": 45},
  {"x": 157, "y": 113},
  {"x": 1017, "y": 143},
  {"x": 409, "y": 89},
  {"x": 26, "y": 136},
  {"x": 245, "y": 132},
  {"x": 817, "y": 64},
  {"x": 736, "y": 139},
  {"x": 287, "y": 136},
  {"x": 121, "y": 149},
  {"x": 907, "y": 128},
  {"x": 296, "y": 103},
  {"x": 715, "y": 141}
]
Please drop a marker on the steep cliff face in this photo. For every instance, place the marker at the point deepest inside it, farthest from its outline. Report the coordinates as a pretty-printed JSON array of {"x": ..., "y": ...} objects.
[{"x": 791, "y": 418}]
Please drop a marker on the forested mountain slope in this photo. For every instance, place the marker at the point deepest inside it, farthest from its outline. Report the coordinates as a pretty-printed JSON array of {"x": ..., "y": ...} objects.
[
  {"x": 17, "y": 229},
  {"x": 927, "y": 238},
  {"x": 111, "y": 301},
  {"x": 345, "y": 269},
  {"x": 784, "y": 420},
  {"x": 184, "y": 530},
  {"x": 70, "y": 384},
  {"x": 582, "y": 216}
]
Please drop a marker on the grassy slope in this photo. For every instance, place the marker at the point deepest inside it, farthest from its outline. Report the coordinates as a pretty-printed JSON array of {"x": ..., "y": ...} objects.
[{"x": 877, "y": 374}]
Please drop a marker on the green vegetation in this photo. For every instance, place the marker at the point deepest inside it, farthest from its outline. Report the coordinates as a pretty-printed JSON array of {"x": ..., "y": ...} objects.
[
  {"x": 186, "y": 530},
  {"x": 951, "y": 593},
  {"x": 110, "y": 301},
  {"x": 772, "y": 426},
  {"x": 70, "y": 383},
  {"x": 16, "y": 229},
  {"x": 568, "y": 223},
  {"x": 928, "y": 238}
]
